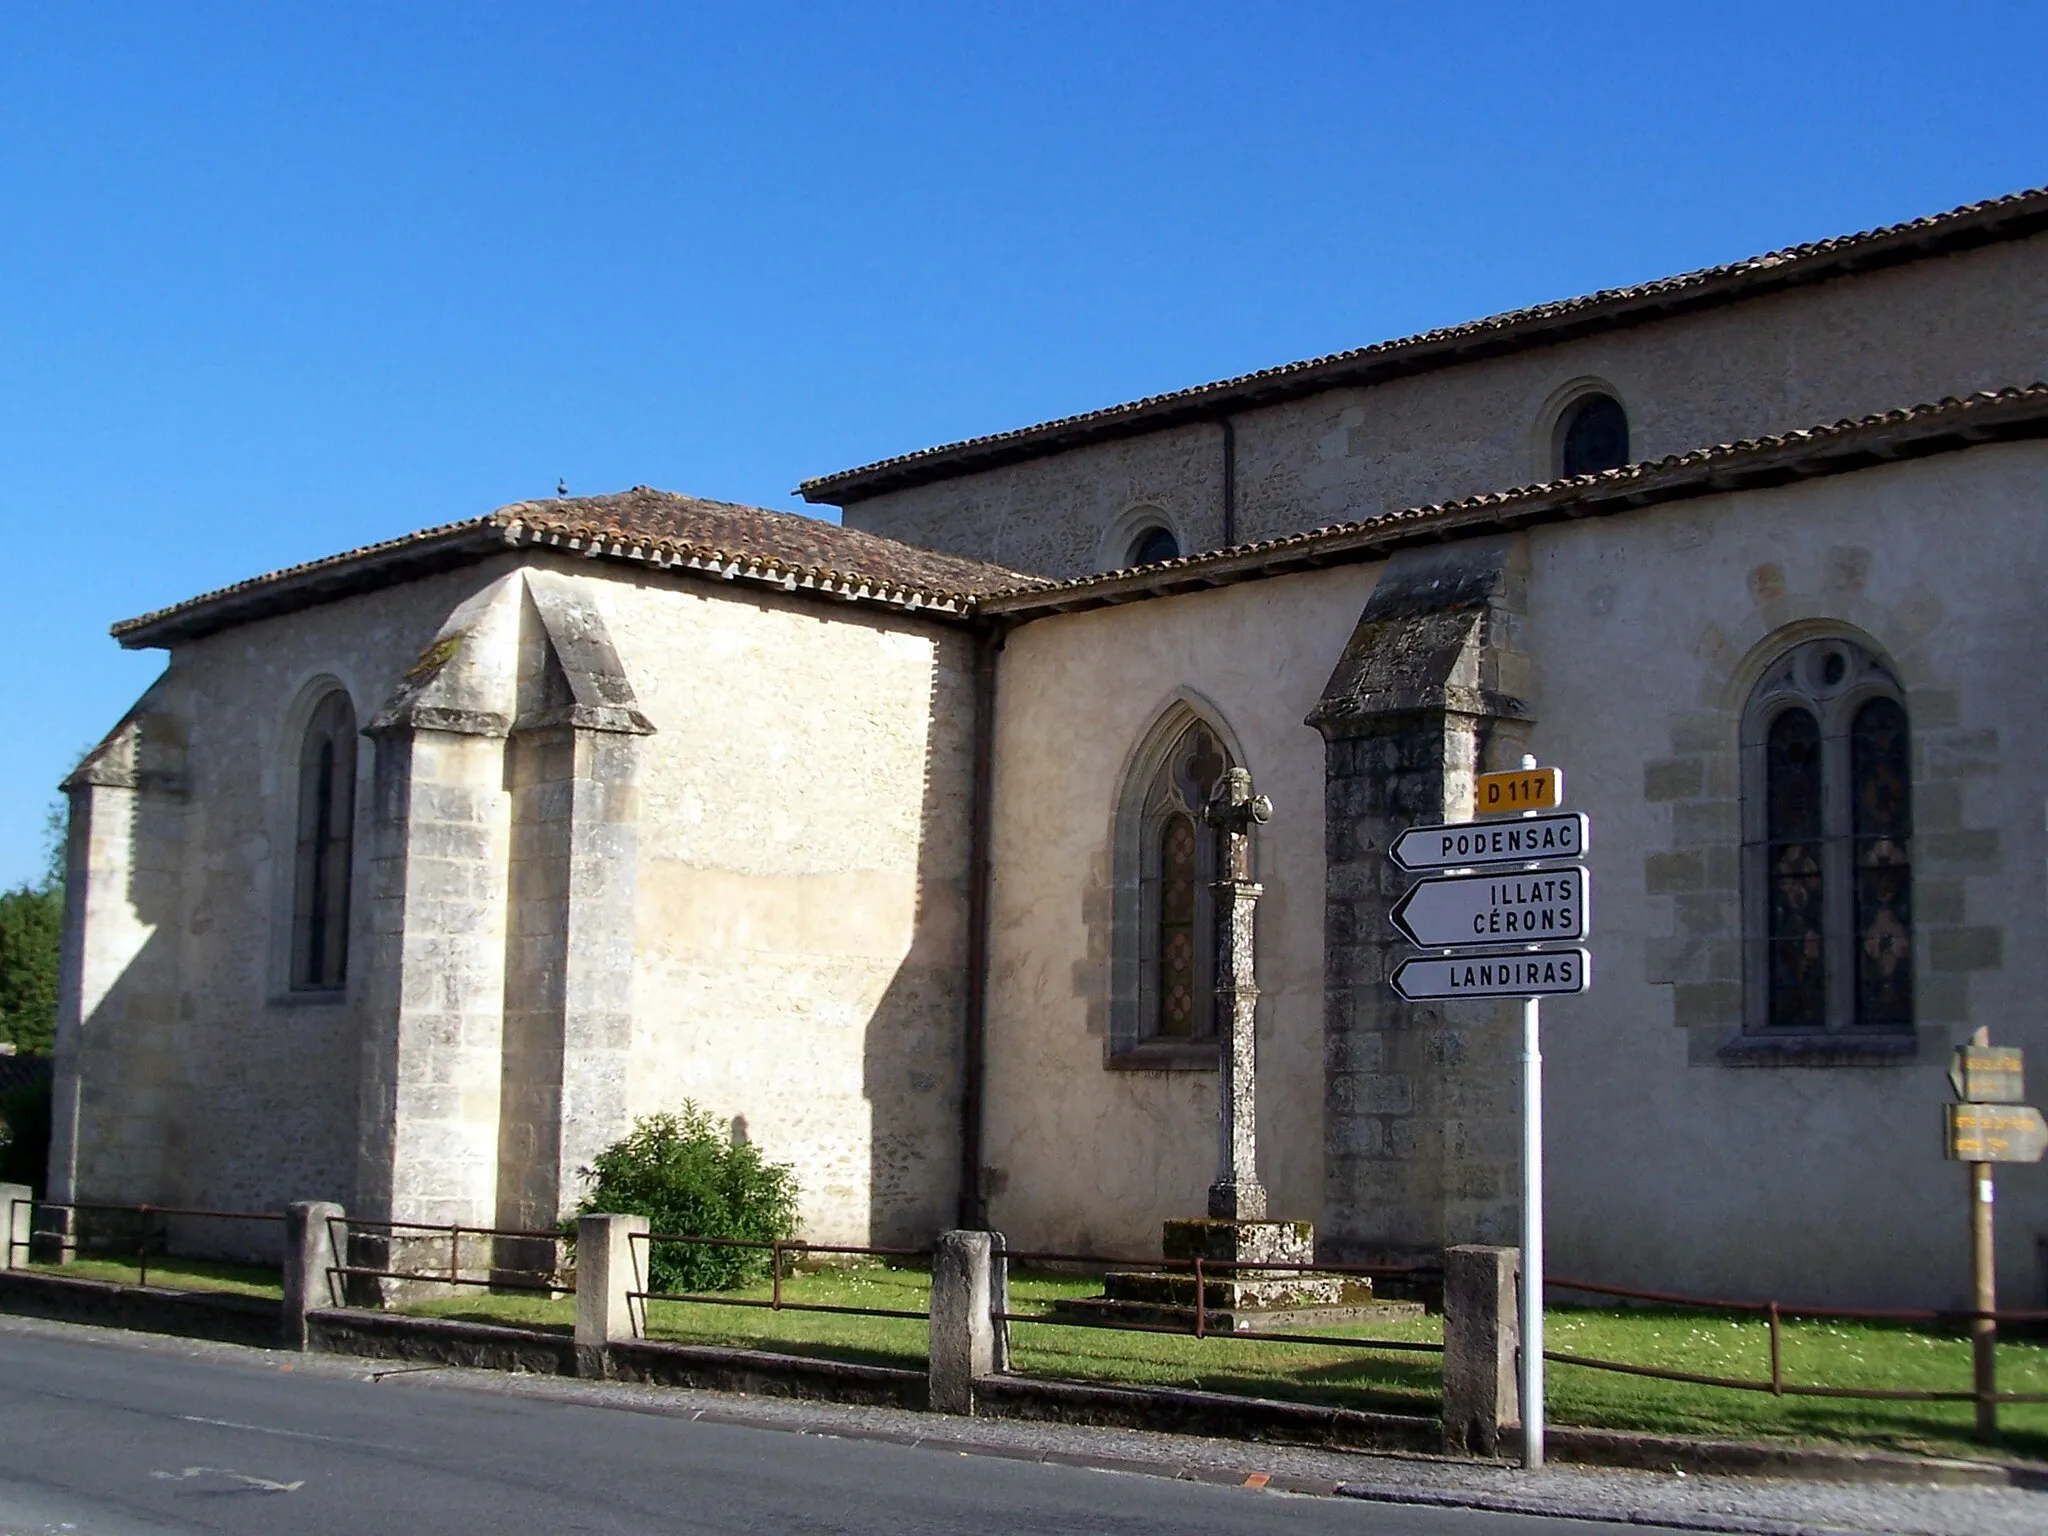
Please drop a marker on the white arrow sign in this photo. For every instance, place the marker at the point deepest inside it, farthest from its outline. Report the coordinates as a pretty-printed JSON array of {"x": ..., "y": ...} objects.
[
  {"x": 1457, "y": 911},
  {"x": 1532, "y": 973},
  {"x": 1480, "y": 844}
]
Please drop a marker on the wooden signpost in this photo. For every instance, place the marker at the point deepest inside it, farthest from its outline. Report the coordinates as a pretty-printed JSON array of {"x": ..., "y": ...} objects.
[
  {"x": 1495, "y": 935},
  {"x": 1989, "y": 1126}
]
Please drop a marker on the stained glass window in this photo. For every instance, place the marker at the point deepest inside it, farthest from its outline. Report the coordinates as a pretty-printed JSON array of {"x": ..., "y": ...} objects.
[
  {"x": 1878, "y": 767},
  {"x": 1595, "y": 437},
  {"x": 1798, "y": 951},
  {"x": 326, "y": 836},
  {"x": 1178, "y": 964},
  {"x": 1178, "y": 876},
  {"x": 1828, "y": 850}
]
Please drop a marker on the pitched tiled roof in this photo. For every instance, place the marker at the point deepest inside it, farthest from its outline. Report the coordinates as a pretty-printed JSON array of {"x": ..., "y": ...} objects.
[
  {"x": 2004, "y": 218},
  {"x": 715, "y": 538},
  {"x": 2002, "y": 415}
]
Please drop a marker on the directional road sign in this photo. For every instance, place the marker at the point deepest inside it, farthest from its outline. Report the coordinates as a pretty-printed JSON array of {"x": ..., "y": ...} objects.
[
  {"x": 1458, "y": 911},
  {"x": 1995, "y": 1133},
  {"x": 1531, "y": 973},
  {"x": 1484, "y": 844},
  {"x": 1987, "y": 1074},
  {"x": 1519, "y": 790}
]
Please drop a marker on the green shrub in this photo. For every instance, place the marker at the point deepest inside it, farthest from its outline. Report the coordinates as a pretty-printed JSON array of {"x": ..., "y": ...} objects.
[
  {"x": 31, "y": 930},
  {"x": 686, "y": 1176},
  {"x": 25, "y": 1135}
]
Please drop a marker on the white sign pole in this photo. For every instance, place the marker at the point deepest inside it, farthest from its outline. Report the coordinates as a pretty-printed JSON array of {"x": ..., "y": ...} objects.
[
  {"x": 1532, "y": 1235},
  {"x": 1532, "y": 1228}
]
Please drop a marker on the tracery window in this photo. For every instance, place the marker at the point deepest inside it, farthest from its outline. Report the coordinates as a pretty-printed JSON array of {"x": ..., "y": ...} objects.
[
  {"x": 325, "y": 844},
  {"x": 1592, "y": 436},
  {"x": 1828, "y": 808}
]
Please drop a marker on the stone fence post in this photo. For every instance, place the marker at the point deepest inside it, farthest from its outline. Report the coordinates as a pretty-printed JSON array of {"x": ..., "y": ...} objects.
[
  {"x": 16, "y": 1216},
  {"x": 607, "y": 1271},
  {"x": 314, "y": 1246},
  {"x": 1481, "y": 1335},
  {"x": 962, "y": 1332}
]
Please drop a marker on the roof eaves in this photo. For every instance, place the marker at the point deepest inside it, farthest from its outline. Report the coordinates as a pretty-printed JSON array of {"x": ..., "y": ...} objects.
[
  {"x": 2003, "y": 218},
  {"x": 1838, "y": 448}
]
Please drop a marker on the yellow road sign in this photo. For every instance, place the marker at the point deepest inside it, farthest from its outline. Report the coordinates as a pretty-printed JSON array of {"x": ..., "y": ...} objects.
[
  {"x": 1988, "y": 1074},
  {"x": 1994, "y": 1133},
  {"x": 1519, "y": 790}
]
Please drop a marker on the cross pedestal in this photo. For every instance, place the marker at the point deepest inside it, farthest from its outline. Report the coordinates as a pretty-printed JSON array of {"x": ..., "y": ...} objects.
[{"x": 1240, "y": 1295}]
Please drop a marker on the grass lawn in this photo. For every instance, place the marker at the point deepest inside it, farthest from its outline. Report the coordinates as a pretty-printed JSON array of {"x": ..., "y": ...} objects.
[
  {"x": 1834, "y": 1354},
  {"x": 174, "y": 1274}
]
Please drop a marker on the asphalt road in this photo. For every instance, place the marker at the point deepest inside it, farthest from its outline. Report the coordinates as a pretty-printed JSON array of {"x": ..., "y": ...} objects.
[{"x": 102, "y": 1439}]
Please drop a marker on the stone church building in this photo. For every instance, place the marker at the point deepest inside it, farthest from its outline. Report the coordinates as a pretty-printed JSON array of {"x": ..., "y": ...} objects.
[{"x": 423, "y": 869}]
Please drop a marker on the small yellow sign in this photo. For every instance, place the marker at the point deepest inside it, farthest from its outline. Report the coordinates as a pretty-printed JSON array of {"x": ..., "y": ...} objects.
[
  {"x": 1522, "y": 789},
  {"x": 1994, "y": 1133}
]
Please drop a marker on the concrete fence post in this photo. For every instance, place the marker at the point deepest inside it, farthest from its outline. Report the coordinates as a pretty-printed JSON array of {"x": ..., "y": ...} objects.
[
  {"x": 1481, "y": 1335},
  {"x": 608, "y": 1269},
  {"x": 17, "y": 1214},
  {"x": 314, "y": 1246},
  {"x": 963, "y": 1342}
]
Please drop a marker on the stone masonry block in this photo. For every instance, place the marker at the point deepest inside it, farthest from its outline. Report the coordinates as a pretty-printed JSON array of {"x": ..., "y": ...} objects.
[
  {"x": 1698, "y": 822},
  {"x": 1937, "y": 805},
  {"x": 1967, "y": 949},
  {"x": 1958, "y": 754},
  {"x": 1664, "y": 873},
  {"x": 1672, "y": 778},
  {"x": 1706, "y": 1003},
  {"x": 1976, "y": 850},
  {"x": 1937, "y": 903}
]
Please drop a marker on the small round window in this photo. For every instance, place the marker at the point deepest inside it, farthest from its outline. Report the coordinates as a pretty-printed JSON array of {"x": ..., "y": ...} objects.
[
  {"x": 1153, "y": 545},
  {"x": 1593, "y": 436}
]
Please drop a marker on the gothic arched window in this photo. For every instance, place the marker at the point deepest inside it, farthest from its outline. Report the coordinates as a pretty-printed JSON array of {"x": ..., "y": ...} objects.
[
  {"x": 1592, "y": 436},
  {"x": 325, "y": 842},
  {"x": 1828, "y": 811},
  {"x": 1163, "y": 935}
]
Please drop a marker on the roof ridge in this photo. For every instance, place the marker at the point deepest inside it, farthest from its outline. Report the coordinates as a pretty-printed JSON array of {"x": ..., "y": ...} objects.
[{"x": 1020, "y": 442}]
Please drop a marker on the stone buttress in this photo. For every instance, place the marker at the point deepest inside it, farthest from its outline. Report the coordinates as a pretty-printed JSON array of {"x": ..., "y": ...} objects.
[{"x": 1420, "y": 1100}]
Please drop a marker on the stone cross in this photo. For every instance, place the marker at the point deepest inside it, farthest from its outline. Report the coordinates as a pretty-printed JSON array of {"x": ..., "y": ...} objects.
[{"x": 1233, "y": 810}]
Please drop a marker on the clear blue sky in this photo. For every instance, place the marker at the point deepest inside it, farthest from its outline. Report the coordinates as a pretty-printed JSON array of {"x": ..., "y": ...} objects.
[{"x": 279, "y": 280}]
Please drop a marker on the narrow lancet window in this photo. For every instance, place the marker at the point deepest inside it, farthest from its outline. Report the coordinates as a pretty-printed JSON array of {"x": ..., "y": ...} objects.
[
  {"x": 1883, "y": 824},
  {"x": 1798, "y": 947},
  {"x": 326, "y": 837}
]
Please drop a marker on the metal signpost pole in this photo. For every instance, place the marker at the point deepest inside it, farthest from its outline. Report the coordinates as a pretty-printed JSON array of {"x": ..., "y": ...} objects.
[
  {"x": 1532, "y": 1235},
  {"x": 1531, "y": 1386}
]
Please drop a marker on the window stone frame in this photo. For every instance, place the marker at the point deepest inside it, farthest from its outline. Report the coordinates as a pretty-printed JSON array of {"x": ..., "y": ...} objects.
[{"x": 1692, "y": 876}]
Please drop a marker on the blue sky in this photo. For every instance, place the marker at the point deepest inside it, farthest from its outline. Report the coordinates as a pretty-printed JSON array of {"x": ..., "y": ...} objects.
[{"x": 276, "y": 281}]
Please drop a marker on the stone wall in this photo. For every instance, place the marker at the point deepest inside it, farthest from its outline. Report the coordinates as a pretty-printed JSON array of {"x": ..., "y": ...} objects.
[
  {"x": 620, "y": 842},
  {"x": 1636, "y": 638},
  {"x": 1847, "y": 347},
  {"x": 800, "y": 932},
  {"x": 1083, "y": 1153}
]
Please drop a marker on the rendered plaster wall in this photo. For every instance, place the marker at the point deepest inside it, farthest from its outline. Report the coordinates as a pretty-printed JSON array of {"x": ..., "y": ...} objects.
[
  {"x": 802, "y": 836},
  {"x": 204, "y": 1081},
  {"x": 1079, "y": 1155},
  {"x": 1821, "y": 1183},
  {"x": 1847, "y": 347}
]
